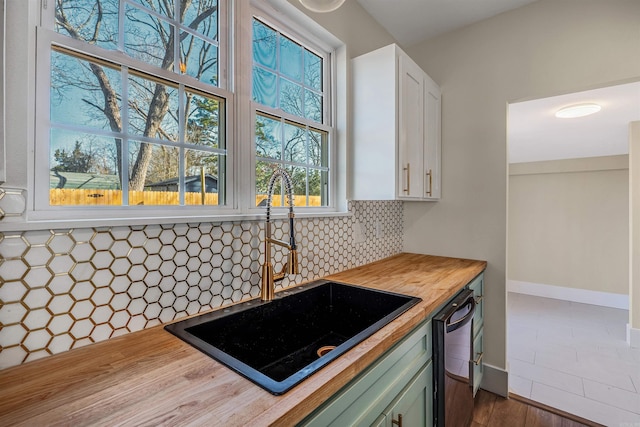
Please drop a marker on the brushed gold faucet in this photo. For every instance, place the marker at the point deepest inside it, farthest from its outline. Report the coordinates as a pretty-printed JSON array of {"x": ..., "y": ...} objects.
[{"x": 267, "y": 290}]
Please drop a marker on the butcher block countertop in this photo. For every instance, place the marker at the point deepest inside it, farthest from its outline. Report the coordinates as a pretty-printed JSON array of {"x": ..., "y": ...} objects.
[{"x": 153, "y": 378}]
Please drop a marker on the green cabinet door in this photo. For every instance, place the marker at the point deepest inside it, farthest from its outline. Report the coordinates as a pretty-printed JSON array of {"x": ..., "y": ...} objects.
[
  {"x": 477, "y": 286},
  {"x": 361, "y": 402},
  {"x": 476, "y": 367},
  {"x": 381, "y": 421},
  {"x": 400, "y": 383},
  {"x": 414, "y": 406}
]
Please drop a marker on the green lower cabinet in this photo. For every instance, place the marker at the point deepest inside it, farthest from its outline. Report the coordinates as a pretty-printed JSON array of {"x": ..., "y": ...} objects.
[
  {"x": 414, "y": 406},
  {"x": 477, "y": 286},
  {"x": 400, "y": 383},
  {"x": 476, "y": 365},
  {"x": 394, "y": 382}
]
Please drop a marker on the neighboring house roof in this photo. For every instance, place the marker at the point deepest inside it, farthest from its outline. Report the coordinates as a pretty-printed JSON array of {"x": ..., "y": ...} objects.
[
  {"x": 187, "y": 180},
  {"x": 60, "y": 179}
]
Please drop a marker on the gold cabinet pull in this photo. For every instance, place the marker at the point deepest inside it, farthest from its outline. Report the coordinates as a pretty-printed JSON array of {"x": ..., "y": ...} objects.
[
  {"x": 478, "y": 359},
  {"x": 406, "y": 190},
  {"x": 479, "y": 299},
  {"x": 397, "y": 422},
  {"x": 430, "y": 175}
]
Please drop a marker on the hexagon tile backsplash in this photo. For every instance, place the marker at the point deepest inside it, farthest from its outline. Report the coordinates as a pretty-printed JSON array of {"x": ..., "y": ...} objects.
[{"x": 62, "y": 289}]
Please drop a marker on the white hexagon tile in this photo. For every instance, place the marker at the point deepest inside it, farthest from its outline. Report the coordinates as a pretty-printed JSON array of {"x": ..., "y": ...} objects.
[
  {"x": 13, "y": 202},
  {"x": 62, "y": 289}
]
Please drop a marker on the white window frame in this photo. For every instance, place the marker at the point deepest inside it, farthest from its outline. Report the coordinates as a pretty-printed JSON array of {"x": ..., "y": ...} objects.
[
  {"x": 3, "y": 155},
  {"x": 298, "y": 32},
  {"x": 46, "y": 38},
  {"x": 236, "y": 21}
]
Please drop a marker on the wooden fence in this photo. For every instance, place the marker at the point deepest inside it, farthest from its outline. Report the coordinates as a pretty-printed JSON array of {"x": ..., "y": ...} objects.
[{"x": 87, "y": 197}]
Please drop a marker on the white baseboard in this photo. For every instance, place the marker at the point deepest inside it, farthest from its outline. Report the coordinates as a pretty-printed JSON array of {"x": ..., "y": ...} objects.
[
  {"x": 606, "y": 299},
  {"x": 633, "y": 336},
  {"x": 495, "y": 380}
]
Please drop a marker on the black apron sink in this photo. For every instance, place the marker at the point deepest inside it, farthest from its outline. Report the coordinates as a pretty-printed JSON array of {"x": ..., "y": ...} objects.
[{"x": 278, "y": 344}]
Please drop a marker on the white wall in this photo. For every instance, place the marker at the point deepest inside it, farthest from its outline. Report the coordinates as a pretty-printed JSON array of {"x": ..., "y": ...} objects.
[
  {"x": 352, "y": 25},
  {"x": 546, "y": 48},
  {"x": 569, "y": 223},
  {"x": 634, "y": 242}
]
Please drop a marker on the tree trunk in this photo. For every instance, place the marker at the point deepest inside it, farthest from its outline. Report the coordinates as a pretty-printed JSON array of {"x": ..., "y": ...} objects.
[
  {"x": 157, "y": 110},
  {"x": 111, "y": 110},
  {"x": 159, "y": 104}
]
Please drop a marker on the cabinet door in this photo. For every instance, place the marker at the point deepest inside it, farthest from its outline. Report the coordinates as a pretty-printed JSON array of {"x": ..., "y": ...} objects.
[
  {"x": 476, "y": 367},
  {"x": 375, "y": 127},
  {"x": 361, "y": 402},
  {"x": 381, "y": 421},
  {"x": 414, "y": 405},
  {"x": 411, "y": 129},
  {"x": 432, "y": 140},
  {"x": 477, "y": 286}
]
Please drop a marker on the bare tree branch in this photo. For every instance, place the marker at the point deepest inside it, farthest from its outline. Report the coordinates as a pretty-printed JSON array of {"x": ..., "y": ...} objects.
[{"x": 155, "y": 96}]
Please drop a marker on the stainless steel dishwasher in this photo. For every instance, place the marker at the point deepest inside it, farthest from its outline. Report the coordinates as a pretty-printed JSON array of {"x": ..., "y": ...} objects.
[{"x": 452, "y": 357}]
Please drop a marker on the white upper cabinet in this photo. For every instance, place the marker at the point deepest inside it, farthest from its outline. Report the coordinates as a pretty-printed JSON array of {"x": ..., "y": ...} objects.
[
  {"x": 432, "y": 145},
  {"x": 396, "y": 124},
  {"x": 410, "y": 183}
]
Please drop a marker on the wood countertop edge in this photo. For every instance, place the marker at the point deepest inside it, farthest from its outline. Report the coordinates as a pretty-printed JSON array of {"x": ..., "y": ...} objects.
[{"x": 267, "y": 409}]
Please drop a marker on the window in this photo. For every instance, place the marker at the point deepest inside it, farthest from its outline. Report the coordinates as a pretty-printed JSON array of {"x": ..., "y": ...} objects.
[
  {"x": 290, "y": 115},
  {"x": 142, "y": 109},
  {"x": 134, "y": 104}
]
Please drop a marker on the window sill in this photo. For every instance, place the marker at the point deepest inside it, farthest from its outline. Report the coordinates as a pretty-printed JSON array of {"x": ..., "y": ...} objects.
[{"x": 19, "y": 224}]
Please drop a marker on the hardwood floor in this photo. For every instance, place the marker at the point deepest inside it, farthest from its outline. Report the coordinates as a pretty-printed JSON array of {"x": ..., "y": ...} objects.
[{"x": 495, "y": 411}]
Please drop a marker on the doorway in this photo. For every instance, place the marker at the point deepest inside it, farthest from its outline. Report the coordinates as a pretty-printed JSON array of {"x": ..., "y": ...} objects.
[{"x": 568, "y": 255}]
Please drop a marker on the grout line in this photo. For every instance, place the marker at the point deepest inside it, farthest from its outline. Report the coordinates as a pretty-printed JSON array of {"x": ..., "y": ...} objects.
[
  {"x": 526, "y": 317},
  {"x": 561, "y": 372},
  {"x": 555, "y": 411},
  {"x": 608, "y": 405},
  {"x": 617, "y": 388}
]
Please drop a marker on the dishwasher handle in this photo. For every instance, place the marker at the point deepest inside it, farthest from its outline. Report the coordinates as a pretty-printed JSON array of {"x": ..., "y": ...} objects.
[{"x": 469, "y": 304}]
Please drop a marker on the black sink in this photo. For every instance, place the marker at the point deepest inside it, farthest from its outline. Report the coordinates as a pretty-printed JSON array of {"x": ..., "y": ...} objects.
[{"x": 275, "y": 344}]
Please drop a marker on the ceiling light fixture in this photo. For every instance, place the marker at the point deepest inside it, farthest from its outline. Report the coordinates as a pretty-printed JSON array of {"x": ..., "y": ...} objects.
[
  {"x": 579, "y": 110},
  {"x": 322, "y": 6}
]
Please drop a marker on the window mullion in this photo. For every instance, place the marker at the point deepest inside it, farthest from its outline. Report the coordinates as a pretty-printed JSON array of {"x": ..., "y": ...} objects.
[
  {"x": 303, "y": 87},
  {"x": 182, "y": 138},
  {"x": 307, "y": 197},
  {"x": 177, "y": 29},
  {"x": 277, "y": 70},
  {"x": 121, "y": 20},
  {"x": 307, "y": 147},
  {"x": 124, "y": 143},
  {"x": 277, "y": 114},
  {"x": 47, "y": 15}
]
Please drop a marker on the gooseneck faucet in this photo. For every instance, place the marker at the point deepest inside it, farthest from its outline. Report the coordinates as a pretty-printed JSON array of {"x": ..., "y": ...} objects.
[{"x": 291, "y": 267}]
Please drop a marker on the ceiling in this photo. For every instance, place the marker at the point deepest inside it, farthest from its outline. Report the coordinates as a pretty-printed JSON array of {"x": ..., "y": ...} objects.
[
  {"x": 534, "y": 133},
  {"x": 413, "y": 21}
]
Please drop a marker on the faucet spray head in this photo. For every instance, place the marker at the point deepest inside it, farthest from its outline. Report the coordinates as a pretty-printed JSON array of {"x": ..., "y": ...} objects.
[{"x": 293, "y": 267}]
